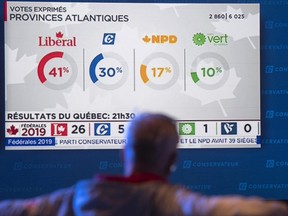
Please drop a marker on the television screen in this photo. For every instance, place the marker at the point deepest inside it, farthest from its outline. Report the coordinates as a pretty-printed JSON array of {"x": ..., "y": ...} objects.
[
  {"x": 75, "y": 73},
  {"x": 94, "y": 66}
]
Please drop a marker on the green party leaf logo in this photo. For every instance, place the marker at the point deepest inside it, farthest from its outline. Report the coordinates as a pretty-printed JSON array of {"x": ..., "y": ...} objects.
[
  {"x": 187, "y": 128},
  {"x": 199, "y": 39}
]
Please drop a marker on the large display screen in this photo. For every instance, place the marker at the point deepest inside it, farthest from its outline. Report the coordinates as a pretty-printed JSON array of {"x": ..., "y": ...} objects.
[{"x": 77, "y": 73}]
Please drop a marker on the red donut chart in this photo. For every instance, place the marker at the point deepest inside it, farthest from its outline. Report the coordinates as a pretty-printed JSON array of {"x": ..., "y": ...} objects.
[{"x": 43, "y": 62}]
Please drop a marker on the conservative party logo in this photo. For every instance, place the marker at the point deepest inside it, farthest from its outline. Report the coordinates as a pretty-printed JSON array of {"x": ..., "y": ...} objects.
[
  {"x": 229, "y": 128},
  {"x": 108, "y": 38},
  {"x": 59, "y": 129},
  {"x": 243, "y": 186},
  {"x": 102, "y": 129}
]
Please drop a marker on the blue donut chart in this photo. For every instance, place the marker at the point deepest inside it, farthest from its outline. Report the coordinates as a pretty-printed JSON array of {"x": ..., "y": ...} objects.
[{"x": 93, "y": 66}]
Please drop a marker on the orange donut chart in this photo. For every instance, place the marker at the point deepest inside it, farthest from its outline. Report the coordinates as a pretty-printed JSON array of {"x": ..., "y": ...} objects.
[{"x": 143, "y": 73}]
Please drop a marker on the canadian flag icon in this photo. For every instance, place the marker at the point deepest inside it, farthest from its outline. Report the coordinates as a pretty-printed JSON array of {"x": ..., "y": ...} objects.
[
  {"x": 59, "y": 129},
  {"x": 12, "y": 130}
]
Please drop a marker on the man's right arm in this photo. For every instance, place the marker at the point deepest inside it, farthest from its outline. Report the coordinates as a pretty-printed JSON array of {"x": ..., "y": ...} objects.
[{"x": 57, "y": 203}]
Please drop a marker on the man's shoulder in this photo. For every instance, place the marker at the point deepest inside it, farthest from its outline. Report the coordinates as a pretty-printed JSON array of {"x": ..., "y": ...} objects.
[
  {"x": 156, "y": 196},
  {"x": 120, "y": 185}
]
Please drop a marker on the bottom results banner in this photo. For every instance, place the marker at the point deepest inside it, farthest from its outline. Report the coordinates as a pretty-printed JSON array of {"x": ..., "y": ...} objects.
[{"x": 111, "y": 134}]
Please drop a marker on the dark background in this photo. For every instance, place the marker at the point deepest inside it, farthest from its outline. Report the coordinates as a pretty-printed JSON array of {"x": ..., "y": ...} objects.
[{"x": 262, "y": 172}]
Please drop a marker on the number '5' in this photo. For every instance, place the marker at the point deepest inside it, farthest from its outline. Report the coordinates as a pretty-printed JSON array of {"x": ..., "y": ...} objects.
[{"x": 121, "y": 129}]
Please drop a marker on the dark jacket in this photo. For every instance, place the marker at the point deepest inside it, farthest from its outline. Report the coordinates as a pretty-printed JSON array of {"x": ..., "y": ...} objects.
[{"x": 138, "y": 195}]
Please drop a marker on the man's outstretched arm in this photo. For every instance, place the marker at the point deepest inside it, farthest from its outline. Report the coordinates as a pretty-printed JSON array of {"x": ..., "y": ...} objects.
[{"x": 56, "y": 203}]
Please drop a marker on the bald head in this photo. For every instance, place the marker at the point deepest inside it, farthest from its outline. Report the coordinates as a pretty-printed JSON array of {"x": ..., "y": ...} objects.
[{"x": 151, "y": 144}]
